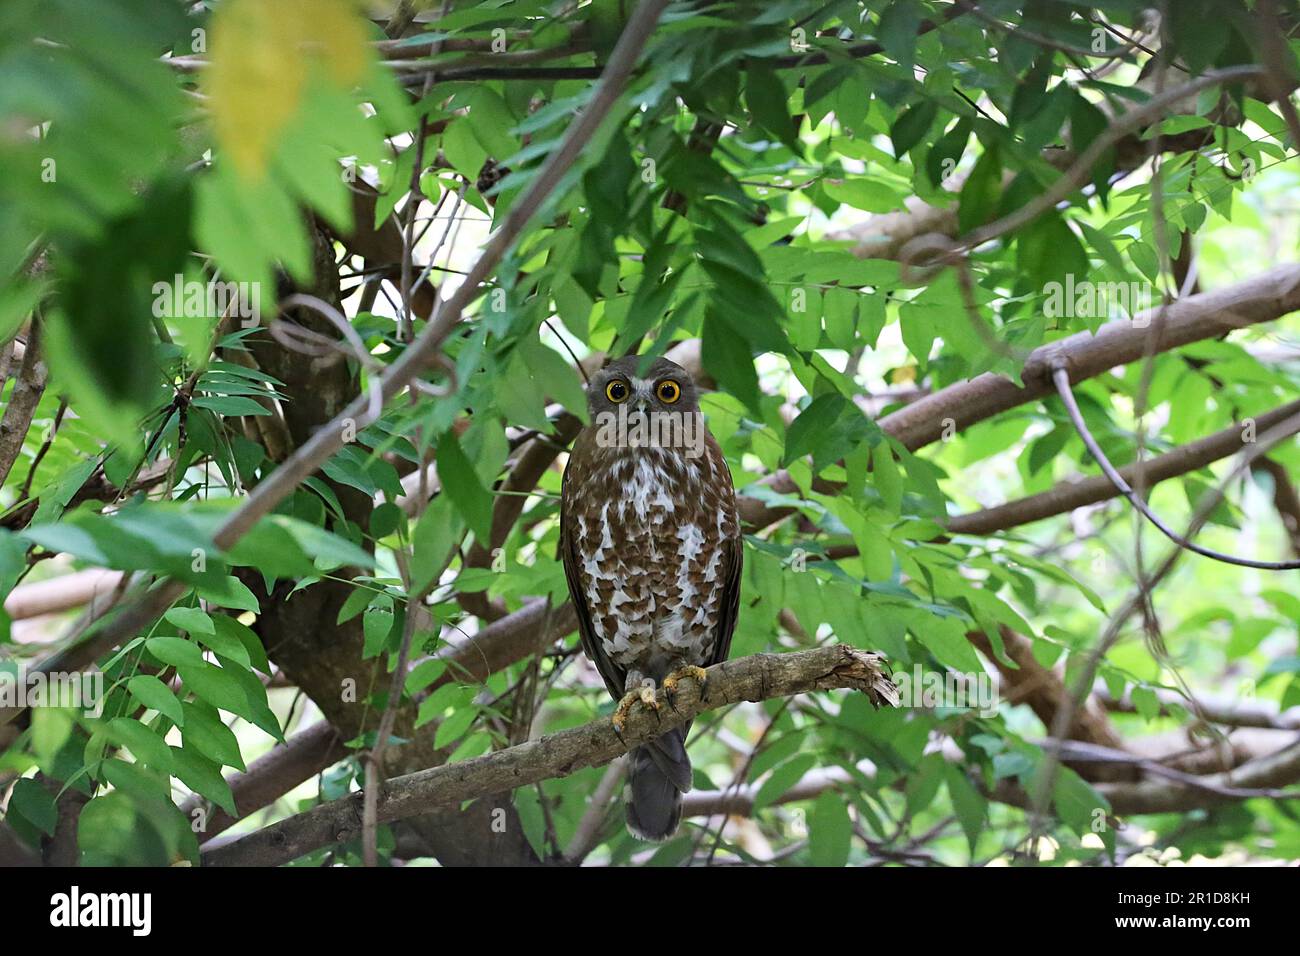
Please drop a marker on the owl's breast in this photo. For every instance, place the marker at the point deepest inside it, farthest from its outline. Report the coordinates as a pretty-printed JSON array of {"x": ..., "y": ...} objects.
[{"x": 649, "y": 553}]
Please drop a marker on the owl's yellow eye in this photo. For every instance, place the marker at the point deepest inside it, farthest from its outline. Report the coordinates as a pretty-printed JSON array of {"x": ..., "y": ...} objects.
[
  {"x": 668, "y": 391},
  {"x": 617, "y": 391}
]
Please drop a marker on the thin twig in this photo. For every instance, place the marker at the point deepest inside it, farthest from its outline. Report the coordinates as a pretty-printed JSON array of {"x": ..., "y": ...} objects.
[{"x": 1061, "y": 376}]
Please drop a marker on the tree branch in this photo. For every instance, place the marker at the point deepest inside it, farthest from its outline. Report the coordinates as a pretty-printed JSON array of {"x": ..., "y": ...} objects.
[
  {"x": 1061, "y": 377},
  {"x": 1265, "y": 297},
  {"x": 1168, "y": 796},
  {"x": 1285, "y": 498},
  {"x": 26, "y": 395},
  {"x": 1252, "y": 712},
  {"x": 1069, "y": 495},
  {"x": 60, "y": 594},
  {"x": 755, "y": 678}
]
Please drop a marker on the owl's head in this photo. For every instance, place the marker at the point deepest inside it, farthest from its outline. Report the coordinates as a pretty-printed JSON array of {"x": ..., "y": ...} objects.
[{"x": 661, "y": 386}]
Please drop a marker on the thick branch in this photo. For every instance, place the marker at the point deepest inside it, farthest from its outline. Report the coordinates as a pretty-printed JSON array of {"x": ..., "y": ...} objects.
[
  {"x": 1262, "y": 299},
  {"x": 760, "y": 677},
  {"x": 1205, "y": 315},
  {"x": 1076, "y": 494},
  {"x": 1277, "y": 769},
  {"x": 60, "y": 594}
]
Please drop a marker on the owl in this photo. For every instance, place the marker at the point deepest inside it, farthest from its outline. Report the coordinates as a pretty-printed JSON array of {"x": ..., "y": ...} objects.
[{"x": 651, "y": 546}]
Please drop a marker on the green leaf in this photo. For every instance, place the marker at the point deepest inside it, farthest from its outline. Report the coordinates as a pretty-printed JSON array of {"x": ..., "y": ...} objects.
[
  {"x": 981, "y": 192},
  {"x": 830, "y": 831},
  {"x": 946, "y": 640},
  {"x": 556, "y": 376},
  {"x": 461, "y": 482},
  {"x": 229, "y": 405},
  {"x": 730, "y": 361},
  {"x": 970, "y": 806},
  {"x": 228, "y": 591},
  {"x": 378, "y": 625},
  {"x": 327, "y": 549},
  {"x": 154, "y": 694},
  {"x": 491, "y": 120},
  {"x": 885, "y": 476},
  {"x": 912, "y": 124},
  {"x": 767, "y": 99},
  {"x": 147, "y": 746},
  {"x": 204, "y": 732},
  {"x": 898, "y": 28},
  {"x": 1077, "y": 803},
  {"x": 259, "y": 710},
  {"x": 782, "y": 778},
  {"x": 223, "y": 641},
  {"x": 386, "y": 519},
  {"x": 1047, "y": 250},
  {"x": 174, "y": 651},
  {"x": 356, "y": 602},
  {"x": 453, "y": 727},
  {"x": 438, "y": 532},
  {"x": 34, "y": 804},
  {"x": 228, "y": 629},
  {"x": 99, "y": 338},
  {"x": 214, "y": 685},
  {"x": 463, "y": 149},
  {"x": 203, "y": 775},
  {"x": 812, "y": 426},
  {"x": 190, "y": 619},
  {"x": 942, "y": 158},
  {"x": 145, "y": 787}
]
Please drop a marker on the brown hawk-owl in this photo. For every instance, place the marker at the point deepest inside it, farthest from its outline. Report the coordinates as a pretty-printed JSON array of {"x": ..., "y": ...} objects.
[{"x": 650, "y": 540}]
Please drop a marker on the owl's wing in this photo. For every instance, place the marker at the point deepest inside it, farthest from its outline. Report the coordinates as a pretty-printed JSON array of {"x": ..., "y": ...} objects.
[
  {"x": 732, "y": 559},
  {"x": 612, "y": 675}
]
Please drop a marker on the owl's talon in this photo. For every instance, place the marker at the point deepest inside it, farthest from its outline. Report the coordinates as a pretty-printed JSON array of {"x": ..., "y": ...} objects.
[
  {"x": 698, "y": 674},
  {"x": 643, "y": 695}
]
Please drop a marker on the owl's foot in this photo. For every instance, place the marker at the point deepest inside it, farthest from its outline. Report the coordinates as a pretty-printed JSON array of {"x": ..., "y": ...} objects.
[
  {"x": 698, "y": 674},
  {"x": 645, "y": 695}
]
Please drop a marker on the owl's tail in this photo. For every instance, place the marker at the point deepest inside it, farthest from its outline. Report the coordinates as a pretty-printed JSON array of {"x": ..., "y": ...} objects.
[{"x": 658, "y": 774}]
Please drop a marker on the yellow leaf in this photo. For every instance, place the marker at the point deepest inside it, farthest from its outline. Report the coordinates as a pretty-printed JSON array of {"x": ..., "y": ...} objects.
[
  {"x": 335, "y": 27},
  {"x": 264, "y": 52}
]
